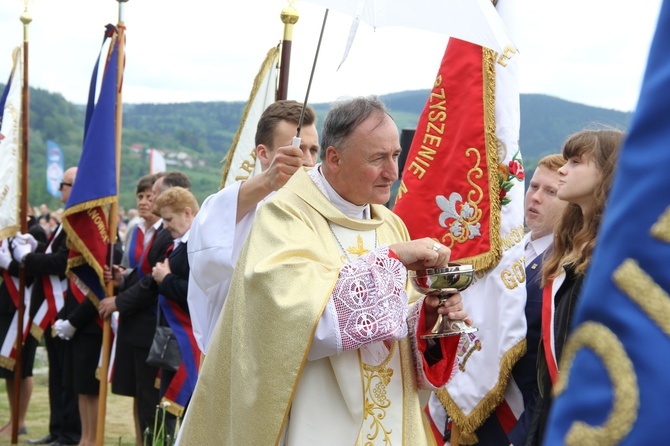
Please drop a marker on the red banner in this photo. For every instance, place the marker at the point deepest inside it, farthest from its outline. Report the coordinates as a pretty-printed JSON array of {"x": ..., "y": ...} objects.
[{"x": 450, "y": 179}]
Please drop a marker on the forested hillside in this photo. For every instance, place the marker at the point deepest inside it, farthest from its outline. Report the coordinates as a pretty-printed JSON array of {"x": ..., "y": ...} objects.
[{"x": 196, "y": 136}]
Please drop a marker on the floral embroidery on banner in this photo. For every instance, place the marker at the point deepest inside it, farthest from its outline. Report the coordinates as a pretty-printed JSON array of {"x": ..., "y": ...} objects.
[
  {"x": 462, "y": 216},
  {"x": 508, "y": 175}
]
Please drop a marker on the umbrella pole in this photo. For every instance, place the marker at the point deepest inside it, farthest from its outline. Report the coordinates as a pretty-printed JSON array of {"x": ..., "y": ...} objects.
[{"x": 311, "y": 76}]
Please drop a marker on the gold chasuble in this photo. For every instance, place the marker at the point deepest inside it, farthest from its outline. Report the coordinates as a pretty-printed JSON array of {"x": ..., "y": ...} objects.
[{"x": 256, "y": 386}]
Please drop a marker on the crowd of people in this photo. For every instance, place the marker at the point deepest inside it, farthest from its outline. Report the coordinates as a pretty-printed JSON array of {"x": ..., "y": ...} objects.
[{"x": 287, "y": 296}]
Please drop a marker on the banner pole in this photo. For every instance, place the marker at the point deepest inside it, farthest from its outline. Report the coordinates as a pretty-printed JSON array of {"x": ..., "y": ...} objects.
[
  {"x": 113, "y": 221},
  {"x": 26, "y": 18},
  {"x": 289, "y": 16}
]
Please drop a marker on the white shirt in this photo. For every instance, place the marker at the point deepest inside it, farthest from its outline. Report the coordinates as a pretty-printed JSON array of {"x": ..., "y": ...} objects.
[{"x": 534, "y": 248}]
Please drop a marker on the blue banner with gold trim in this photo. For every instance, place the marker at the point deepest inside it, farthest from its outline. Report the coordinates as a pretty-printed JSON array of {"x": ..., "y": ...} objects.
[
  {"x": 613, "y": 387},
  {"x": 85, "y": 218}
]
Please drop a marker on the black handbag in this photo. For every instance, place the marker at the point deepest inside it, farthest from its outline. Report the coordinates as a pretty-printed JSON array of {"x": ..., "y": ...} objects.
[{"x": 164, "y": 351}]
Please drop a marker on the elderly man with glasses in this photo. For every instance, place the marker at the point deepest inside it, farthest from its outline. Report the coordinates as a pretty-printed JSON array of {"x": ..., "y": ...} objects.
[{"x": 50, "y": 286}]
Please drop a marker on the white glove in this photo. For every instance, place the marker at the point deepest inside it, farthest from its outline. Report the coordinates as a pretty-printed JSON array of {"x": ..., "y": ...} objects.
[
  {"x": 20, "y": 251},
  {"x": 5, "y": 256},
  {"x": 64, "y": 329},
  {"x": 27, "y": 239}
]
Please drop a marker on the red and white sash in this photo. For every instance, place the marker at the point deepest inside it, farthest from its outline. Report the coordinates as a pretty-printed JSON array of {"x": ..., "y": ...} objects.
[
  {"x": 548, "y": 311},
  {"x": 54, "y": 293},
  {"x": 8, "y": 348}
]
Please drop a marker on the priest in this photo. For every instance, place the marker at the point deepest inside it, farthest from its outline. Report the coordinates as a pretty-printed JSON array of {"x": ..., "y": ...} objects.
[{"x": 318, "y": 341}]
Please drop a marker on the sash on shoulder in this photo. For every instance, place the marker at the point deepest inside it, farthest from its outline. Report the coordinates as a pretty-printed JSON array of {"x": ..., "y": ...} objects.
[
  {"x": 136, "y": 247},
  {"x": 144, "y": 265},
  {"x": 182, "y": 385},
  {"x": 54, "y": 293},
  {"x": 548, "y": 331}
]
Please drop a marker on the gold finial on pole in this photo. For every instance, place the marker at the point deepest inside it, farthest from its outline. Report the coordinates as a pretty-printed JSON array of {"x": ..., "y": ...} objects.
[
  {"x": 26, "y": 18},
  {"x": 289, "y": 17}
]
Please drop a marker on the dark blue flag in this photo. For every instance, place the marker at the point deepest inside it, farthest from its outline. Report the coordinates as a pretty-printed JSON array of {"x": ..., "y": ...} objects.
[
  {"x": 613, "y": 387},
  {"x": 86, "y": 214}
]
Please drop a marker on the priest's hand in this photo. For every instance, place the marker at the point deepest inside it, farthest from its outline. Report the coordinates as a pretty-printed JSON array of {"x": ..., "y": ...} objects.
[
  {"x": 161, "y": 270},
  {"x": 452, "y": 309},
  {"x": 422, "y": 253},
  {"x": 107, "y": 306},
  {"x": 286, "y": 162}
]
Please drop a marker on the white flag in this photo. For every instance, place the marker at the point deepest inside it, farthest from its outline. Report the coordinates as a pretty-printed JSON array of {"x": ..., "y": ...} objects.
[
  {"x": 10, "y": 149},
  {"x": 156, "y": 161},
  {"x": 241, "y": 158}
]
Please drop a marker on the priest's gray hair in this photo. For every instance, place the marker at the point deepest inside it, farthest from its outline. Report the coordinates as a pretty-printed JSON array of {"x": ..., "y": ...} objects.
[{"x": 344, "y": 117}]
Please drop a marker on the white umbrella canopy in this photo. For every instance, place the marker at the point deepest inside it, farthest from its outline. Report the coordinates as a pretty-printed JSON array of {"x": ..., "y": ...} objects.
[{"x": 475, "y": 21}]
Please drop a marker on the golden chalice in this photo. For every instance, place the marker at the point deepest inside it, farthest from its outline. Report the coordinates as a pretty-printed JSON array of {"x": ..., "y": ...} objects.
[{"x": 443, "y": 282}]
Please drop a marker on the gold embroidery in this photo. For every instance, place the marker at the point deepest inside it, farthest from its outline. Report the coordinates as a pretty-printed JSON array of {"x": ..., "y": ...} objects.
[
  {"x": 467, "y": 349},
  {"x": 471, "y": 422},
  {"x": 463, "y": 225},
  {"x": 661, "y": 230},
  {"x": 644, "y": 291},
  {"x": 360, "y": 249},
  {"x": 625, "y": 406},
  {"x": 376, "y": 378}
]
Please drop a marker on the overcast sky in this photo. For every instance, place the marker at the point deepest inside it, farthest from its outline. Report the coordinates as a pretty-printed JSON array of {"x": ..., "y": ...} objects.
[{"x": 587, "y": 51}]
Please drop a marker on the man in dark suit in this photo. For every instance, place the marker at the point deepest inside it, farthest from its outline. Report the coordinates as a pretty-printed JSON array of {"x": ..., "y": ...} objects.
[
  {"x": 508, "y": 424},
  {"x": 9, "y": 268},
  {"x": 136, "y": 304},
  {"x": 49, "y": 290}
]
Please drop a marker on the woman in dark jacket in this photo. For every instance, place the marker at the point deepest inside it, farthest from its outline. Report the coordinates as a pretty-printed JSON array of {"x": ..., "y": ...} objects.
[
  {"x": 178, "y": 207},
  {"x": 584, "y": 183}
]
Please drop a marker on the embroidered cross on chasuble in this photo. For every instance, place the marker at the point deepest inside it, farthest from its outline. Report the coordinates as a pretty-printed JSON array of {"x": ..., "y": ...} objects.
[{"x": 379, "y": 362}]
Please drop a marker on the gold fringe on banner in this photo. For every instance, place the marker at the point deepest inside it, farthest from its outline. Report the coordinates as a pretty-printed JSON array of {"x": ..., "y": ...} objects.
[
  {"x": 486, "y": 261},
  {"x": 470, "y": 423},
  {"x": 75, "y": 242}
]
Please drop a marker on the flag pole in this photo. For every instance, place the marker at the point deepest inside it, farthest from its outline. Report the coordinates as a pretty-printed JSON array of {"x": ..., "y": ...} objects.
[
  {"x": 113, "y": 221},
  {"x": 289, "y": 16},
  {"x": 26, "y": 18}
]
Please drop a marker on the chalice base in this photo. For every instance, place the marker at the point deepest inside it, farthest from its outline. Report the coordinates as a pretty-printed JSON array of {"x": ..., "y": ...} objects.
[{"x": 449, "y": 327}]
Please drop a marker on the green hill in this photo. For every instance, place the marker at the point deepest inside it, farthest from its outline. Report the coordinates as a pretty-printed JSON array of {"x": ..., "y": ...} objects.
[{"x": 196, "y": 136}]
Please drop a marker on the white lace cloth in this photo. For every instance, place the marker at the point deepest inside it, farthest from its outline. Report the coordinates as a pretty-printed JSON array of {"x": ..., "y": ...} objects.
[{"x": 370, "y": 300}]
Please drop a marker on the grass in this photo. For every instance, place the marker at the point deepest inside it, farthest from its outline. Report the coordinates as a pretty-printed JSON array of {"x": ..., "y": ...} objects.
[{"x": 119, "y": 427}]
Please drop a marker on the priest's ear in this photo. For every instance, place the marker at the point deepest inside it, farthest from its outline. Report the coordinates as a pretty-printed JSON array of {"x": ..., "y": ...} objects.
[{"x": 332, "y": 158}]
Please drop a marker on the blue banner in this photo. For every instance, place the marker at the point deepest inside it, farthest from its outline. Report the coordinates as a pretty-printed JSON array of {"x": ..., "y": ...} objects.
[
  {"x": 613, "y": 387},
  {"x": 86, "y": 216},
  {"x": 54, "y": 168}
]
